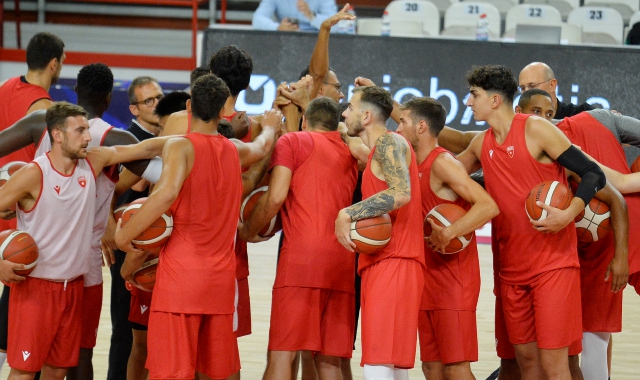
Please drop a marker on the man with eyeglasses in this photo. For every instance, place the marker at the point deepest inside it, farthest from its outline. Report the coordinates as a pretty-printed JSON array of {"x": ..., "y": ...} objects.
[
  {"x": 539, "y": 75},
  {"x": 144, "y": 94}
]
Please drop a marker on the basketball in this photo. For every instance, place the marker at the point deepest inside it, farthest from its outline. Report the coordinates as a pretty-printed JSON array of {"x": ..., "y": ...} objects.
[
  {"x": 551, "y": 193},
  {"x": 20, "y": 248},
  {"x": 7, "y": 171},
  {"x": 635, "y": 166},
  {"x": 594, "y": 222},
  {"x": 145, "y": 276},
  {"x": 444, "y": 215},
  {"x": 156, "y": 234},
  {"x": 249, "y": 204},
  {"x": 371, "y": 234},
  {"x": 117, "y": 213}
]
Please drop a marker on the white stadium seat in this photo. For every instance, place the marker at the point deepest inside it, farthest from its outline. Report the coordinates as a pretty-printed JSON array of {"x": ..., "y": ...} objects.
[
  {"x": 563, "y": 6},
  {"x": 571, "y": 33},
  {"x": 461, "y": 19},
  {"x": 529, "y": 14},
  {"x": 369, "y": 26},
  {"x": 502, "y": 5},
  {"x": 632, "y": 21},
  {"x": 626, "y": 8},
  {"x": 405, "y": 14},
  {"x": 599, "y": 25}
]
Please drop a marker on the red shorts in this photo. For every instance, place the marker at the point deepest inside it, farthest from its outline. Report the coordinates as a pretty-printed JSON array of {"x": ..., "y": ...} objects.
[
  {"x": 139, "y": 306},
  {"x": 547, "y": 311},
  {"x": 45, "y": 320},
  {"x": 634, "y": 280},
  {"x": 244, "y": 308},
  {"x": 318, "y": 320},
  {"x": 390, "y": 304},
  {"x": 91, "y": 308},
  {"x": 601, "y": 308},
  {"x": 504, "y": 347},
  {"x": 180, "y": 345},
  {"x": 448, "y": 336}
]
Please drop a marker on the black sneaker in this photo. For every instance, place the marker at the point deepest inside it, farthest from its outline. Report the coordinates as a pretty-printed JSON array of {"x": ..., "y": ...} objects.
[{"x": 494, "y": 375}]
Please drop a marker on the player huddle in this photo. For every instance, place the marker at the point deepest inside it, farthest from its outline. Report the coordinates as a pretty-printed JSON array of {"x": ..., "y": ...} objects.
[{"x": 555, "y": 296}]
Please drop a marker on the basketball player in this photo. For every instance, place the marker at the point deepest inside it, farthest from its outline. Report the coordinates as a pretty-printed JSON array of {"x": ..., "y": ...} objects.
[
  {"x": 313, "y": 293},
  {"x": 191, "y": 322},
  {"x": 447, "y": 321},
  {"x": 516, "y": 153},
  {"x": 45, "y": 314},
  {"x": 602, "y": 266},
  {"x": 173, "y": 102},
  {"x": 392, "y": 278}
]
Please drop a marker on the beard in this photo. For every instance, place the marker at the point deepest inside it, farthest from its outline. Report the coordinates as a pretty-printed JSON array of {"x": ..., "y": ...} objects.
[
  {"x": 356, "y": 129},
  {"x": 77, "y": 154}
]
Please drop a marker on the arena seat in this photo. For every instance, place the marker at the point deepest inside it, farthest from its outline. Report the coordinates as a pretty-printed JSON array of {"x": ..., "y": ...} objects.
[
  {"x": 600, "y": 25},
  {"x": 502, "y": 5},
  {"x": 461, "y": 19},
  {"x": 369, "y": 26},
  {"x": 571, "y": 33},
  {"x": 404, "y": 15},
  {"x": 632, "y": 21},
  {"x": 530, "y": 14},
  {"x": 563, "y": 6},
  {"x": 626, "y": 8}
]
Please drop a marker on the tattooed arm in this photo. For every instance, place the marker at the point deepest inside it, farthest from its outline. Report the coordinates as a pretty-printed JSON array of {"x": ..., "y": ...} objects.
[{"x": 391, "y": 154}]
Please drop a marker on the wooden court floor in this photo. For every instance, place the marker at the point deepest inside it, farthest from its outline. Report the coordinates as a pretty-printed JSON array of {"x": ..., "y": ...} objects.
[{"x": 262, "y": 259}]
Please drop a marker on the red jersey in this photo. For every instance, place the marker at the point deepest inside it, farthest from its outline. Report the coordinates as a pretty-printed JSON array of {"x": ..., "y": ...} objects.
[
  {"x": 196, "y": 273},
  {"x": 452, "y": 282},
  {"x": 17, "y": 96},
  {"x": 321, "y": 186},
  {"x": 406, "y": 232},
  {"x": 598, "y": 141},
  {"x": 510, "y": 173}
]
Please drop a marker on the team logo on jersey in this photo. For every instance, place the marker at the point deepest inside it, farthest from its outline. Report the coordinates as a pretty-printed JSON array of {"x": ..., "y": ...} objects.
[
  {"x": 143, "y": 309},
  {"x": 25, "y": 355},
  {"x": 57, "y": 189},
  {"x": 82, "y": 181},
  {"x": 491, "y": 153},
  {"x": 510, "y": 151}
]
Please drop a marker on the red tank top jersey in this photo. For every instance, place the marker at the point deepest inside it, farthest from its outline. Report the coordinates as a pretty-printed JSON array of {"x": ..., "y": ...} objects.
[
  {"x": 17, "y": 96},
  {"x": 196, "y": 273},
  {"x": 242, "y": 259},
  {"x": 311, "y": 255},
  {"x": 510, "y": 173},
  {"x": 598, "y": 141},
  {"x": 452, "y": 282},
  {"x": 406, "y": 233}
]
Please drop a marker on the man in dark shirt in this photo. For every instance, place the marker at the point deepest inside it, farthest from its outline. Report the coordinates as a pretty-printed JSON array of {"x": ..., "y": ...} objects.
[{"x": 539, "y": 75}]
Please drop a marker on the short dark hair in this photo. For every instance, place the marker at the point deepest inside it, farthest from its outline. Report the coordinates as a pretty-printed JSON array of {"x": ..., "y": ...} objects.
[
  {"x": 226, "y": 129},
  {"x": 429, "y": 110},
  {"x": 234, "y": 66},
  {"x": 94, "y": 83},
  {"x": 341, "y": 108},
  {"x": 323, "y": 112},
  {"x": 208, "y": 96},
  {"x": 526, "y": 96},
  {"x": 379, "y": 98},
  {"x": 197, "y": 73},
  {"x": 58, "y": 113},
  {"x": 172, "y": 102},
  {"x": 307, "y": 71},
  {"x": 135, "y": 83},
  {"x": 494, "y": 78},
  {"x": 42, "y": 48}
]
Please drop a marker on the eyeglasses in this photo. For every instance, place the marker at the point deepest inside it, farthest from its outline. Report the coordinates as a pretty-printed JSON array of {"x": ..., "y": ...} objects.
[
  {"x": 338, "y": 86},
  {"x": 532, "y": 85},
  {"x": 149, "y": 102}
]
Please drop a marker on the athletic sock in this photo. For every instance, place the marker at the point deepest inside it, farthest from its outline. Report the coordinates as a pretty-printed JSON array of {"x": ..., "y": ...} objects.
[{"x": 593, "y": 361}]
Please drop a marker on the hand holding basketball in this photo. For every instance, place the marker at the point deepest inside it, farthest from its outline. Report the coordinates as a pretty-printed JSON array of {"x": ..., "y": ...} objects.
[
  {"x": 343, "y": 230},
  {"x": 242, "y": 232},
  {"x": 7, "y": 271},
  {"x": 555, "y": 221},
  {"x": 125, "y": 246},
  {"x": 439, "y": 238}
]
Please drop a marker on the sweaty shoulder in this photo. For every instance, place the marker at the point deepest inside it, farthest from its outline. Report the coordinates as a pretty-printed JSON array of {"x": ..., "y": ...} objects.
[
  {"x": 177, "y": 124},
  {"x": 41, "y": 104}
]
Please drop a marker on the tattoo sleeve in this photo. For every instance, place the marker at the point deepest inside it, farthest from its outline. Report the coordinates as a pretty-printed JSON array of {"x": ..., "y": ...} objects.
[{"x": 391, "y": 155}]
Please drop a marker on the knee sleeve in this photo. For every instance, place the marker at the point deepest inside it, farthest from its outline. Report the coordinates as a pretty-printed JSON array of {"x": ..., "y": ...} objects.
[
  {"x": 378, "y": 372},
  {"x": 400, "y": 374},
  {"x": 593, "y": 362}
]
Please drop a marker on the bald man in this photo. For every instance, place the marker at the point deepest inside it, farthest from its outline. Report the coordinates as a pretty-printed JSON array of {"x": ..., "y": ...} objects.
[{"x": 539, "y": 75}]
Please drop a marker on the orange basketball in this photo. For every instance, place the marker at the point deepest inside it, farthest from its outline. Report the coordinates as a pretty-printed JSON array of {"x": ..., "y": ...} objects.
[
  {"x": 372, "y": 234},
  {"x": 635, "y": 166},
  {"x": 156, "y": 234},
  {"x": 7, "y": 171},
  {"x": 594, "y": 222},
  {"x": 117, "y": 213},
  {"x": 249, "y": 204},
  {"x": 444, "y": 215},
  {"x": 20, "y": 248},
  {"x": 551, "y": 193},
  {"x": 145, "y": 276}
]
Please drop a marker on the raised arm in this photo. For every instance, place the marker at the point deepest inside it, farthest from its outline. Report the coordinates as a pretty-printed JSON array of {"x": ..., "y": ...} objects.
[
  {"x": 326, "y": 10},
  {"x": 26, "y": 131}
]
